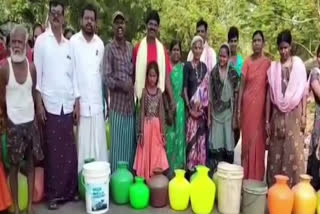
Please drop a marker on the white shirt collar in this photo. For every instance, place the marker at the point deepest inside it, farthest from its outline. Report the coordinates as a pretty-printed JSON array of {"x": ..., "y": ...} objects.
[
  {"x": 92, "y": 40},
  {"x": 50, "y": 33}
]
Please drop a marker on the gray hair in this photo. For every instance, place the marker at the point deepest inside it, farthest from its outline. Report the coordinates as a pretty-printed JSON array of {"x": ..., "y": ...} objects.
[
  {"x": 196, "y": 39},
  {"x": 20, "y": 29}
]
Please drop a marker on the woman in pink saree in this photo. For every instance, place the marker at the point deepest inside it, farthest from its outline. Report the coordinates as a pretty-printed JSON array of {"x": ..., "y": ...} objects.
[
  {"x": 251, "y": 107},
  {"x": 286, "y": 113}
]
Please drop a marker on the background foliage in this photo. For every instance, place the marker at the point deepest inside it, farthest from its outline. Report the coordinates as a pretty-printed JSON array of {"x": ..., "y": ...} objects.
[{"x": 179, "y": 17}]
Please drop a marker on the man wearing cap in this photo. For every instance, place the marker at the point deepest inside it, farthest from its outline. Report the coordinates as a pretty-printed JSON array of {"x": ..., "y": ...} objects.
[
  {"x": 119, "y": 81},
  {"x": 88, "y": 50},
  {"x": 148, "y": 50}
]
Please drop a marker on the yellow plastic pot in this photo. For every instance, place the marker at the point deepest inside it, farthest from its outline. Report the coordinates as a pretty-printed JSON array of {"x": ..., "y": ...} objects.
[
  {"x": 203, "y": 192},
  {"x": 305, "y": 198},
  {"x": 179, "y": 191},
  {"x": 318, "y": 202}
]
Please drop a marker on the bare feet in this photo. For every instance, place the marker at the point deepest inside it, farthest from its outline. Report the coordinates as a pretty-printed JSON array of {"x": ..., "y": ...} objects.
[{"x": 16, "y": 210}]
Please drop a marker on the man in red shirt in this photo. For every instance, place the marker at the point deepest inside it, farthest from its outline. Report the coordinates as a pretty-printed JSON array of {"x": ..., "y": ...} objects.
[{"x": 148, "y": 50}]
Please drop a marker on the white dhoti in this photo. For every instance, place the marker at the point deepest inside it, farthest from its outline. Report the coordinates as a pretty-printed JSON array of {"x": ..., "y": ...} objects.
[{"x": 92, "y": 140}]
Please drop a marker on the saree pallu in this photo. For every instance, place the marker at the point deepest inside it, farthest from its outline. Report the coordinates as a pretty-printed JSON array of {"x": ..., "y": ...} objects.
[
  {"x": 176, "y": 134},
  {"x": 253, "y": 117},
  {"x": 197, "y": 129},
  {"x": 313, "y": 168}
]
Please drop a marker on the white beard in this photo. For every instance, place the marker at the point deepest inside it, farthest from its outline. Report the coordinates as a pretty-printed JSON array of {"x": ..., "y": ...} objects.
[{"x": 18, "y": 57}]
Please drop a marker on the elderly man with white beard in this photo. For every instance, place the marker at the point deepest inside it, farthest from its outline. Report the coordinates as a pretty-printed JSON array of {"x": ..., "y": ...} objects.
[{"x": 17, "y": 112}]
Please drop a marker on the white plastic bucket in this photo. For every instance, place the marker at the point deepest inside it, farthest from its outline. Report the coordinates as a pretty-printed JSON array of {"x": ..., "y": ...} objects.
[
  {"x": 229, "y": 188},
  {"x": 96, "y": 176},
  {"x": 254, "y": 197}
]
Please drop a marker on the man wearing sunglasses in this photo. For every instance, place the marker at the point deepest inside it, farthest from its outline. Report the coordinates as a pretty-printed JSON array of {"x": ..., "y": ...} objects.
[{"x": 57, "y": 107}]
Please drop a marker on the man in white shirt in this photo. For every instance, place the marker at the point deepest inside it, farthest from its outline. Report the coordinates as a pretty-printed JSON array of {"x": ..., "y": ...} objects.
[
  {"x": 58, "y": 107},
  {"x": 208, "y": 55},
  {"x": 88, "y": 52}
]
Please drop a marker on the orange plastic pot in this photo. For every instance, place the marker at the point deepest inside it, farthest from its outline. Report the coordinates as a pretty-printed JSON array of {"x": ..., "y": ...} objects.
[{"x": 280, "y": 196}]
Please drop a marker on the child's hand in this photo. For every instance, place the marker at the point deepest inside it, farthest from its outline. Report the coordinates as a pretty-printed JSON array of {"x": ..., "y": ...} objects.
[
  {"x": 163, "y": 138},
  {"x": 209, "y": 122},
  {"x": 140, "y": 138},
  {"x": 268, "y": 129},
  {"x": 128, "y": 86},
  {"x": 195, "y": 114},
  {"x": 234, "y": 123}
]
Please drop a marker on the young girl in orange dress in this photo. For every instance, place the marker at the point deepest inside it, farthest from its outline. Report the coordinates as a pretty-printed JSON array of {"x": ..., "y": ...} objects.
[{"x": 151, "y": 153}]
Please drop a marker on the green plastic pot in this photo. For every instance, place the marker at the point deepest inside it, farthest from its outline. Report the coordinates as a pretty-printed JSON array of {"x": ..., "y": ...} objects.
[
  {"x": 81, "y": 187},
  {"x": 139, "y": 194},
  {"x": 108, "y": 132},
  {"x": 22, "y": 193},
  {"x": 121, "y": 181}
]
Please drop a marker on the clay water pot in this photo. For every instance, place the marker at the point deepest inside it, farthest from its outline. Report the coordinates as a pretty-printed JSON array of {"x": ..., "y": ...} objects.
[{"x": 158, "y": 185}]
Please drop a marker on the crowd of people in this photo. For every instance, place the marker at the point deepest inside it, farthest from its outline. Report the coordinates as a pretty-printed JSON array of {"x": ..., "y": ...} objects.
[{"x": 165, "y": 114}]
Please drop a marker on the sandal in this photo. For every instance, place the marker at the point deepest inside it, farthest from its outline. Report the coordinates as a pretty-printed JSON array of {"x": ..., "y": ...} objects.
[{"x": 52, "y": 205}]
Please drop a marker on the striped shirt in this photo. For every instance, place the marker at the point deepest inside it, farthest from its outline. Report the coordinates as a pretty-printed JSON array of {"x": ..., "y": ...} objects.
[{"x": 118, "y": 70}]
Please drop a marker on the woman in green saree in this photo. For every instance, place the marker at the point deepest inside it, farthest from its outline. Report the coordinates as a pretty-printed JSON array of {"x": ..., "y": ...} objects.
[{"x": 176, "y": 133}]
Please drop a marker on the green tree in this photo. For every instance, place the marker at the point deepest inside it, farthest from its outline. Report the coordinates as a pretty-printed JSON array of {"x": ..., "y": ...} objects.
[
  {"x": 134, "y": 10},
  {"x": 179, "y": 17},
  {"x": 28, "y": 12}
]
